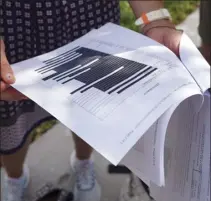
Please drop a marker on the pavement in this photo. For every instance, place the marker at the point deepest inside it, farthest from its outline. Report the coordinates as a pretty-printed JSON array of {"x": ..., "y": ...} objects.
[
  {"x": 190, "y": 26},
  {"x": 48, "y": 161},
  {"x": 48, "y": 157}
]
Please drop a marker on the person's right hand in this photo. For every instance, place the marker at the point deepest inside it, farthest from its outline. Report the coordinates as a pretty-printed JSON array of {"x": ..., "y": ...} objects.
[{"x": 7, "y": 78}]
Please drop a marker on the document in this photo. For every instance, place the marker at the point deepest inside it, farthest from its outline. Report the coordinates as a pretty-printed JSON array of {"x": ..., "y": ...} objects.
[
  {"x": 187, "y": 155},
  {"x": 97, "y": 86},
  {"x": 135, "y": 102}
]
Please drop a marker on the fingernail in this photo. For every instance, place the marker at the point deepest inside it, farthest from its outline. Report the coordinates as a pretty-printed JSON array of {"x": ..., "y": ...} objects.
[{"x": 10, "y": 77}]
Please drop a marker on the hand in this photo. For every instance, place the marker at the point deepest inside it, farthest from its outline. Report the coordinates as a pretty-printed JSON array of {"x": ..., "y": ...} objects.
[
  {"x": 10, "y": 94},
  {"x": 7, "y": 78},
  {"x": 164, "y": 32}
]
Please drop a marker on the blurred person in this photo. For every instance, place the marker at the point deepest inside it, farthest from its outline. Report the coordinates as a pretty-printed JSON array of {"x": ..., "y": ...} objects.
[
  {"x": 30, "y": 28},
  {"x": 205, "y": 29}
]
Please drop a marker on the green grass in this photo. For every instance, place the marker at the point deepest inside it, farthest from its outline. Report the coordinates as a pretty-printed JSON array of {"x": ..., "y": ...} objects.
[
  {"x": 179, "y": 11},
  {"x": 36, "y": 133}
]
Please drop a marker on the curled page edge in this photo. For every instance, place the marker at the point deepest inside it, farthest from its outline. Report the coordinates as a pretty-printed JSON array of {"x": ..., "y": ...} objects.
[
  {"x": 194, "y": 62},
  {"x": 163, "y": 124},
  {"x": 157, "y": 190}
]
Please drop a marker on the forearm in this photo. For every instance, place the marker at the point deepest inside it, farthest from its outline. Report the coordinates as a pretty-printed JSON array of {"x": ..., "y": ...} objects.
[{"x": 140, "y": 6}]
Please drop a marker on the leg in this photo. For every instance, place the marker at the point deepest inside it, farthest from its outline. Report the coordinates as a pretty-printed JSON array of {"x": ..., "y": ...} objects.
[
  {"x": 13, "y": 163},
  {"x": 86, "y": 187},
  {"x": 16, "y": 176},
  {"x": 83, "y": 150}
]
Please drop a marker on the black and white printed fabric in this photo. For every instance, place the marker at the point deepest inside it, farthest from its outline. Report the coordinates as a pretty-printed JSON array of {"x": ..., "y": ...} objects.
[{"x": 34, "y": 27}]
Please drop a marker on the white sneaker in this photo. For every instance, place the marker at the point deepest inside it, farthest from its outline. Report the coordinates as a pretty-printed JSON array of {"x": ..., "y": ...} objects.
[
  {"x": 86, "y": 187},
  {"x": 14, "y": 189}
]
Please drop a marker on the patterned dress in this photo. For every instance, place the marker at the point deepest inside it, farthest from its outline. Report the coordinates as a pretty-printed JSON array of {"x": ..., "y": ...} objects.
[{"x": 34, "y": 27}]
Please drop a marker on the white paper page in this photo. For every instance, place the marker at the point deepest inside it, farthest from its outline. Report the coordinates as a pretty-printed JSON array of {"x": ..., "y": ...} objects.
[
  {"x": 146, "y": 158},
  {"x": 140, "y": 158},
  {"x": 208, "y": 189},
  {"x": 129, "y": 40},
  {"x": 195, "y": 62},
  {"x": 80, "y": 85},
  {"x": 187, "y": 155}
]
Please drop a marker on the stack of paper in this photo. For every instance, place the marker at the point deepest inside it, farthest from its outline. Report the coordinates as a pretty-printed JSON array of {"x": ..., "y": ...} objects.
[{"x": 118, "y": 91}]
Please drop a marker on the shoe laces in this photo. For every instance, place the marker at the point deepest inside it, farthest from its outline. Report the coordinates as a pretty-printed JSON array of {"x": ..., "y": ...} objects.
[
  {"x": 85, "y": 176},
  {"x": 15, "y": 191}
]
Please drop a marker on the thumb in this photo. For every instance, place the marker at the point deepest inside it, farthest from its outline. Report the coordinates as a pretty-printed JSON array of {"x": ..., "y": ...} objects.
[{"x": 7, "y": 74}]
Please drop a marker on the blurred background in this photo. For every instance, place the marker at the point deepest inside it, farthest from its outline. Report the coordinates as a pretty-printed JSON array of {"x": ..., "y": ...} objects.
[{"x": 178, "y": 9}]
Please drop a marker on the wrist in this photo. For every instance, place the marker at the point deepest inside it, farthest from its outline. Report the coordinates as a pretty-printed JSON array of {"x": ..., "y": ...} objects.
[
  {"x": 160, "y": 17},
  {"x": 156, "y": 24}
]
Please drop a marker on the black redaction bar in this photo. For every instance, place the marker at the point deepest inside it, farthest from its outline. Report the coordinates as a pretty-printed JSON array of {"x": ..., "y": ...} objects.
[{"x": 134, "y": 82}]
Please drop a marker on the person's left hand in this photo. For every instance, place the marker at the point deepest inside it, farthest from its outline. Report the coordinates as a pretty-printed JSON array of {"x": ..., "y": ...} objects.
[
  {"x": 164, "y": 32},
  {"x": 7, "y": 77},
  {"x": 11, "y": 94}
]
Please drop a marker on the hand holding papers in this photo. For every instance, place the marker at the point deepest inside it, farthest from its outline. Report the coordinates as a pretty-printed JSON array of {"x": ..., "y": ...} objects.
[{"x": 118, "y": 95}]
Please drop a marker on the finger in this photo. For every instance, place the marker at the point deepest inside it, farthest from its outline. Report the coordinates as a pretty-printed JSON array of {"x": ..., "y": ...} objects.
[
  {"x": 15, "y": 93},
  {"x": 175, "y": 42},
  {"x": 7, "y": 74},
  {"x": 11, "y": 95},
  {"x": 174, "y": 46},
  {"x": 8, "y": 97},
  {"x": 3, "y": 86}
]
